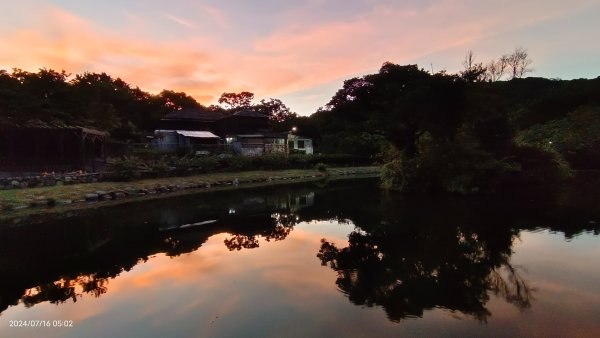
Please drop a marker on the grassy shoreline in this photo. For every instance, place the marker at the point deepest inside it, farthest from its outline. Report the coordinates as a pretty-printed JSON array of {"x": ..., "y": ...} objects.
[{"x": 51, "y": 201}]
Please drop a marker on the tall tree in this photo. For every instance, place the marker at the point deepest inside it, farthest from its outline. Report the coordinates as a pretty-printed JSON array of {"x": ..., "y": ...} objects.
[
  {"x": 473, "y": 71},
  {"x": 519, "y": 63},
  {"x": 177, "y": 100},
  {"x": 495, "y": 69},
  {"x": 275, "y": 109},
  {"x": 237, "y": 100}
]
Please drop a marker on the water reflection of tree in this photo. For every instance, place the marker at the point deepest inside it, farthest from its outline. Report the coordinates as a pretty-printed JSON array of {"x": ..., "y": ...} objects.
[
  {"x": 65, "y": 289},
  {"x": 409, "y": 272},
  {"x": 280, "y": 227}
]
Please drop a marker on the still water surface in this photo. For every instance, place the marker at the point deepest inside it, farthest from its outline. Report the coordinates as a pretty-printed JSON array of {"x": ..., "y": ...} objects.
[{"x": 309, "y": 260}]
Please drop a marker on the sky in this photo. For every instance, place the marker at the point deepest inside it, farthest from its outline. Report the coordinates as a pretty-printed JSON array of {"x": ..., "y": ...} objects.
[{"x": 297, "y": 51}]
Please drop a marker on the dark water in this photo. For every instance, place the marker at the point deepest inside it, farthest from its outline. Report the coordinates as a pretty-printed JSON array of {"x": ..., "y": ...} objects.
[{"x": 310, "y": 260}]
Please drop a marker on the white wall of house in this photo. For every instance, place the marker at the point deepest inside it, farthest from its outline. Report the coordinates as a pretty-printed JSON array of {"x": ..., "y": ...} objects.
[{"x": 302, "y": 144}]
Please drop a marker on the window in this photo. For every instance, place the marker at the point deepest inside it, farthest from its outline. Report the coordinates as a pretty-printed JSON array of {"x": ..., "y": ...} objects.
[{"x": 300, "y": 144}]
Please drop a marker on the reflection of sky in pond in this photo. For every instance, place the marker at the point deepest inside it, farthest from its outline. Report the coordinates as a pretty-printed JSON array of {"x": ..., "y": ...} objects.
[{"x": 281, "y": 288}]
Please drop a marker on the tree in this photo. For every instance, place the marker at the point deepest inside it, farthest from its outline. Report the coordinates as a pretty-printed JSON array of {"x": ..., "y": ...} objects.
[
  {"x": 275, "y": 109},
  {"x": 474, "y": 72},
  {"x": 495, "y": 69},
  {"x": 409, "y": 102},
  {"x": 178, "y": 100},
  {"x": 44, "y": 95},
  {"x": 518, "y": 63},
  {"x": 237, "y": 100}
]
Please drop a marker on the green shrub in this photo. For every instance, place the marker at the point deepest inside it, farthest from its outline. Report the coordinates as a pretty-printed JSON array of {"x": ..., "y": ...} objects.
[
  {"x": 126, "y": 168},
  {"x": 234, "y": 163},
  {"x": 159, "y": 165},
  {"x": 540, "y": 165},
  {"x": 321, "y": 167}
]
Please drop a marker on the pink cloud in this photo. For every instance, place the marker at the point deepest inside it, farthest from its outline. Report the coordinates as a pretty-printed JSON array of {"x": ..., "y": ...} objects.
[
  {"x": 65, "y": 41},
  {"x": 294, "y": 56},
  {"x": 181, "y": 21}
]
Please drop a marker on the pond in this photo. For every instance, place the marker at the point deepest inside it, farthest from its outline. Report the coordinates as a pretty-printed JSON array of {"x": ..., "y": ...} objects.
[{"x": 337, "y": 259}]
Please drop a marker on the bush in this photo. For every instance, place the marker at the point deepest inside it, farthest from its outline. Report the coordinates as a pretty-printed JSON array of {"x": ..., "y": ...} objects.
[
  {"x": 158, "y": 163},
  {"x": 461, "y": 166},
  {"x": 126, "y": 168},
  {"x": 572, "y": 139},
  {"x": 321, "y": 167},
  {"x": 234, "y": 163},
  {"x": 540, "y": 165},
  {"x": 398, "y": 174}
]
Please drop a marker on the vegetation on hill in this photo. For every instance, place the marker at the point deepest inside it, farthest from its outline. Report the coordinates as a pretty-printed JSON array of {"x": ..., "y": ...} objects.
[{"x": 465, "y": 133}]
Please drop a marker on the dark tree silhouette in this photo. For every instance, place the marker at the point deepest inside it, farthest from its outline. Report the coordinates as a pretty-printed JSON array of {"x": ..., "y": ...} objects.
[
  {"x": 237, "y": 100},
  {"x": 275, "y": 109},
  {"x": 519, "y": 63},
  {"x": 177, "y": 100},
  {"x": 473, "y": 71}
]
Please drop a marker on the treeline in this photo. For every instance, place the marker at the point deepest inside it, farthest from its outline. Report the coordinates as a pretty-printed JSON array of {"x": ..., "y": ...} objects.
[
  {"x": 97, "y": 100},
  {"x": 465, "y": 133},
  {"x": 90, "y": 100}
]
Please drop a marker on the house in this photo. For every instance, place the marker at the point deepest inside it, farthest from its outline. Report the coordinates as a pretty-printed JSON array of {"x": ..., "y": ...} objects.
[
  {"x": 38, "y": 146},
  {"x": 204, "y": 130},
  {"x": 301, "y": 144}
]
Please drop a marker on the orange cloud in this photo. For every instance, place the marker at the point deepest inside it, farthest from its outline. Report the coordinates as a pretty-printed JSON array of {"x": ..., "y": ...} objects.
[
  {"x": 65, "y": 41},
  {"x": 296, "y": 54}
]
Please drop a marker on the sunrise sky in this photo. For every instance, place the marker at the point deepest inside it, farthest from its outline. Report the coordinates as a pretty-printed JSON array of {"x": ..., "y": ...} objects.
[{"x": 298, "y": 51}]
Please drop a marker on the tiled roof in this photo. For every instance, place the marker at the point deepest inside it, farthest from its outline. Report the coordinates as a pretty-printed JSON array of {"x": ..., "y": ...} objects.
[
  {"x": 249, "y": 113},
  {"x": 194, "y": 114}
]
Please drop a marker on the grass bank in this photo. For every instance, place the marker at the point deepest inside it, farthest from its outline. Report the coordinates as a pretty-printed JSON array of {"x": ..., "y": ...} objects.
[{"x": 16, "y": 204}]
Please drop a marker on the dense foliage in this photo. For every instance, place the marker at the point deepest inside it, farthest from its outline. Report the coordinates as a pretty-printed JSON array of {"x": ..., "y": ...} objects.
[
  {"x": 90, "y": 99},
  {"x": 455, "y": 133}
]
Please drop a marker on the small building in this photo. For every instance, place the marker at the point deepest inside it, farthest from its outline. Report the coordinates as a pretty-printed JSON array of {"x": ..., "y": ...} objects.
[
  {"x": 38, "y": 146},
  {"x": 301, "y": 144},
  {"x": 170, "y": 140}
]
